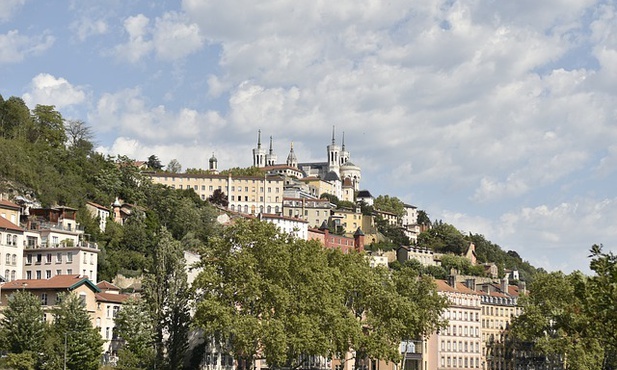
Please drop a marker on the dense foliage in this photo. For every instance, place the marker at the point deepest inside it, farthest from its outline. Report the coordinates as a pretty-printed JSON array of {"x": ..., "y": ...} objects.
[
  {"x": 570, "y": 320},
  {"x": 269, "y": 294}
]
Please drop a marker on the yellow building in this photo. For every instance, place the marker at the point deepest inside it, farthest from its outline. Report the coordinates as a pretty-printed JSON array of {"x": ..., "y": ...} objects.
[{"x": 246, "y": 194}]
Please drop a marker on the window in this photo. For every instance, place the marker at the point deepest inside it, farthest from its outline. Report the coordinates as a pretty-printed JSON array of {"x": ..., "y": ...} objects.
[
  {"x": 58, "y": 257},
  {"x": 48, "y": 274},
  {"x": 38, "y": 274},
  {"x": 69, "y": 257},
  {"x": 8, "y": 259},
  {"x": 44, "y": 299},
  {"x": 82, "y": 299},
  {"x": 85, "y": 258},
  {"x": 69, "y": 271},
  {"x": 107, "y": 333},
  {"x": 58, "y": 272},
  {"x": 48, "y": 258},
  {"x": 28, "y": 275},
  {"x": 6, "y": 273},
  {"x": 29, "y": 259}
]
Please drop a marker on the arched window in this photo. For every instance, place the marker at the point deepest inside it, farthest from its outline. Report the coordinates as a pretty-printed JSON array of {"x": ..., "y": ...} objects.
[
  {"x": 269, "y": 209},
  {"x": 8, "y": 259},
  {"x": 14, "y": 260}
]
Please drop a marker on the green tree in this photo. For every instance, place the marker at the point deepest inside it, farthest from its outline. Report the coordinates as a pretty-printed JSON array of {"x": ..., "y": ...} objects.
[
  {"x": 218, "y": 197},
  {"x": 134, "y": 326},
  {"x": 267, "y": 293},
  {"x": 21, "y": 327},
  {"x": 72, "y": 326},
  {"x": 443, "y": 238},
  {"x": 602, "y": 299},
  {"x": 49, "y": 126},
  {"x": 174, "y": 166},
  {"x": 154, "y": 163},
  {"x": 168, "y": 297},
  {"x": 248, "y": 171},
  {"x": 390, "y": 204},
  {"x": 555, "y": 320}
]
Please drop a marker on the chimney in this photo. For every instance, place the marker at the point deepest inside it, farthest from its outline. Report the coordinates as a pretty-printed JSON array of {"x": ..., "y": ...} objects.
[
  {"x": 471, "y": 284},
  {"x": 452, "y": 281},
  {"x": 504, "y": 284},
  {"x": 522, "y": 287}
]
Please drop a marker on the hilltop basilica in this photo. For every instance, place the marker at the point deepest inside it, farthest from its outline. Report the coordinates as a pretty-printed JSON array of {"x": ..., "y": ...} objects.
[{"x": 336, "y": 169}]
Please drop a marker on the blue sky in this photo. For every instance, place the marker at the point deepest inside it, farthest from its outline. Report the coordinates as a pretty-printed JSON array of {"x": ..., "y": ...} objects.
[{"x": 497, "y": 117}]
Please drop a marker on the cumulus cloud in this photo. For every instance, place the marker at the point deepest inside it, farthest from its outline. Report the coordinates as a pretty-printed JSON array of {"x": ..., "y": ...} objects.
[
  {"x": 170, "y": 38},
  {"x": 50, "y": 90},
  {"x": 9, "y": 7},
  {"x": 86, "y": 27},
  {"x": 15, "y": 47},
  {"x": 129, "y": 114}
]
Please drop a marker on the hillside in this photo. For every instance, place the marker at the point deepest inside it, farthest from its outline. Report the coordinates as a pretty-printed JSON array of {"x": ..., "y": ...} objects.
[{"x": 45, "y": 158}]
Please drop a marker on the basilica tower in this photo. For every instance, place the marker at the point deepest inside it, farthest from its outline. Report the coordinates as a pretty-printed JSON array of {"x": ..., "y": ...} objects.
[
  {"x": 259, "y": 154},
  {"x": 333, "y": 155}
]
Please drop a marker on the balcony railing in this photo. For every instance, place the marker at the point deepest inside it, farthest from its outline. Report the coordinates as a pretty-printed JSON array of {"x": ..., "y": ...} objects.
[
  {"x": 56, "y": 226},
  {"x": 46, "y": 245}
]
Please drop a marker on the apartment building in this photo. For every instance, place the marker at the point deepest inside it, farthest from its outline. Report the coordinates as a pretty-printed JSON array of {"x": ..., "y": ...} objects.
[
  {"x": 108, "y": 303},
  {"x": 99, "y": 212},
  {"x": 11, "y": 250},
  {"x": 458, "y": 346},
  {"x": 288, "y": 225},
  {"x": 246, "y": 194},
  {"x": 314, "y": 211},
  {"x": 499, "y": 307},
  {"x": 56, "y": 245}
]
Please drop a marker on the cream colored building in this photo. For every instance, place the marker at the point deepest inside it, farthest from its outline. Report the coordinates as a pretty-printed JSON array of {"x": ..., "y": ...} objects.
[
  {"x": 55, "y": 245},
  {"x": 108, "y": 303},
  {"x": 11, "y": 250},
  {"x": 458, "y": 346},
  {"x": 247, "y": 194},
  {"x": 314, "y": 211},
  {"x": 499, "y": 308}
]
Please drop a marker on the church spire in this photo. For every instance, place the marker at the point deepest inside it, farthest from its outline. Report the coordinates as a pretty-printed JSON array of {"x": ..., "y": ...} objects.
[
  {"x": 292, "y": 161},
  {"x": 333, "y": 135},
  {"x": 271, "y": 157},
  {"x": 259, "y": 139},
  {"x": 271, "y": 151},
  {"x": 343, "y": 143}
]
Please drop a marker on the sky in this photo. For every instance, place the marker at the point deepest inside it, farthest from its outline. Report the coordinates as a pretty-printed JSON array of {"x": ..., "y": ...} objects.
[{"x": 499, "y": 117}]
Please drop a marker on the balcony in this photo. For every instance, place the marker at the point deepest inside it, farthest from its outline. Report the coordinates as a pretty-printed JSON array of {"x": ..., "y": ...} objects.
[
  {"x": 56, "y": 227},
  {"x": 46, "y": 245}
]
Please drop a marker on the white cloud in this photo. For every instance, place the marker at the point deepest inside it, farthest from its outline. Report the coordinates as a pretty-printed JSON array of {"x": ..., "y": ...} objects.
[
  {"x": 15, "y": 48},
  {"x": 49, "y": 90},
  {"x": 137, "y": 46},
  {"x": 171, "y": 38},
  {"x": 128, "y": 113},
  {"x": 174, "y": 38},
  {"x": 86, "y": 27},
  {"x": 9, "y": 7}
]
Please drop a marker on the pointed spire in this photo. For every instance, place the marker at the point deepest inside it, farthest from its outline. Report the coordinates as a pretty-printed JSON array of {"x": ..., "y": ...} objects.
[
  {"x": 259, "y": 139},
  {"x": 343, "y": 140},
  {"x": 333, "y": 135},
  {"x": 270, "y": 144}
]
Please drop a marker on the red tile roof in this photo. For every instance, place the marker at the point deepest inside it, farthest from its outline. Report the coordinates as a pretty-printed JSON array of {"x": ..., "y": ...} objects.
[
  {"x": 8, "y": 204},
  {"x": 8, "y": 225},
  {"x": 111, "y": 297},
  {"x": 68, "y": 282},
  {"x": 96, "y": 205},
  {"x": 443, "y": 286},
  {"x": 106, "y": 285}
]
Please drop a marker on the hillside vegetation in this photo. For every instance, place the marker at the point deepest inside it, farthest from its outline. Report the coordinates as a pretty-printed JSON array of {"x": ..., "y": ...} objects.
[{"x": 51, "y": 160}]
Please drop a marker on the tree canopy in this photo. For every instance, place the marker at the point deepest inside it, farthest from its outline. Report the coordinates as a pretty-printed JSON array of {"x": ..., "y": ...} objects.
[{"x": 269, "y": 294}]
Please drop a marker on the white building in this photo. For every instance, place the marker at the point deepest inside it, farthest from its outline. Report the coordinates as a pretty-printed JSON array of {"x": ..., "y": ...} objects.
[
  {"x": 289, "y": 225},
  {"x": 56, "y": 245}
]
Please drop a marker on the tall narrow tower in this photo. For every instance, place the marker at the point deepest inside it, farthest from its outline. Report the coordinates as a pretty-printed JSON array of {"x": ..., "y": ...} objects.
[
  {"x": 270, "y": 157},
  {"x": 344, "y": 153},
  {"x": 259, "y": 154},
  {"x": 213, "y": 164},
  {"x": 333, "y": 155}
]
